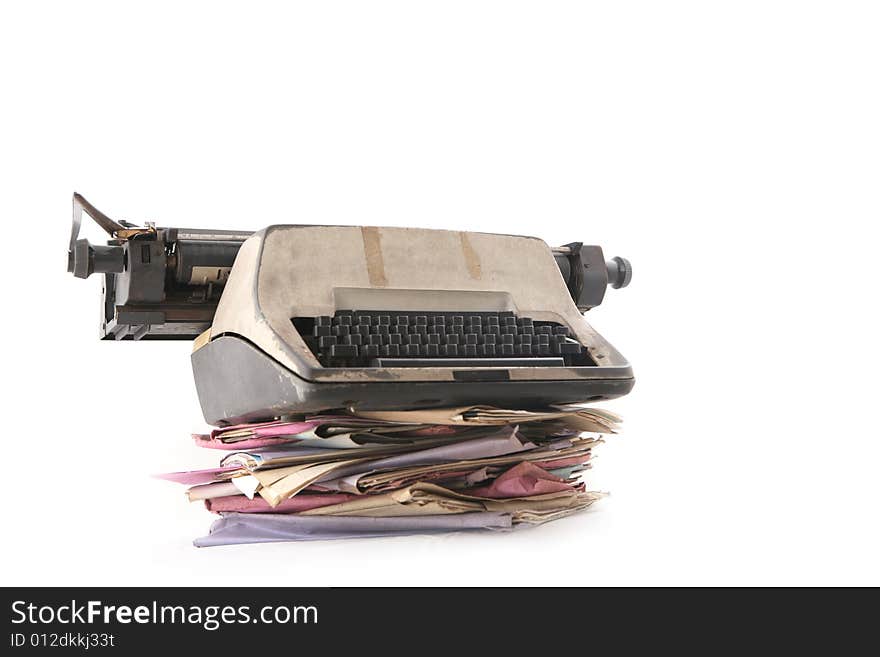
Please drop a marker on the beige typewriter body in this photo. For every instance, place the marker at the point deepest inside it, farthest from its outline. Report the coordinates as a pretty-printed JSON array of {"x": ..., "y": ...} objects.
[
  {"x": 254, "y": 364},
  {"x": 283, "y": 272}
]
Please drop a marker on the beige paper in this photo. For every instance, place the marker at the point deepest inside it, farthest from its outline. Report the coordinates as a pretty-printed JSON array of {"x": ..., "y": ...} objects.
[
  {"x": 576, "y": 418},
  {"x": 208, "y": 491},
  {"x": 294, "y": 479},
  {"x": 429, "y": 499}
]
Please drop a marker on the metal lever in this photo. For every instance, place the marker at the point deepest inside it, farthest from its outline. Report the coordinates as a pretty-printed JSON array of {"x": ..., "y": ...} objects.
[{"x": 83, "y": 258}]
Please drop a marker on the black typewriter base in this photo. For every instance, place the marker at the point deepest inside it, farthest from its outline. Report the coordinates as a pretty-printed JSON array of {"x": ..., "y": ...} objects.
[{"x": 236, "y": 383}]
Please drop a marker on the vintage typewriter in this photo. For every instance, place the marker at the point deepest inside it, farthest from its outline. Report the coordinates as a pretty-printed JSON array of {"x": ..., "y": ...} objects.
[{"x": 301, "y": 318}]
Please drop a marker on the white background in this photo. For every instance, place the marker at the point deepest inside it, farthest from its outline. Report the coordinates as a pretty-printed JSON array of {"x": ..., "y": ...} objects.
[{"x": 730, "y": 150}]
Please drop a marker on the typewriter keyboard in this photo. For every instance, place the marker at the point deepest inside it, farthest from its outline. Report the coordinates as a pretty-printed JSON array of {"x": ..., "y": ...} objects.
[{"x": 449, "y": 339}]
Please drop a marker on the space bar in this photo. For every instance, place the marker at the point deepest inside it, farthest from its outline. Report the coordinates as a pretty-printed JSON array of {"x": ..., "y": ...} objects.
[{"x": 468, "y": 362}]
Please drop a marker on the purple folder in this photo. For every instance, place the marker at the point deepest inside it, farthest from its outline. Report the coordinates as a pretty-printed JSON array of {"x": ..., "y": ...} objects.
[{"x": 240, "y": 528}]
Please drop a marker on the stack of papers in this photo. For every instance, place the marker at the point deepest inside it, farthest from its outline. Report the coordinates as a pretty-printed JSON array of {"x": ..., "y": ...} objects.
[{"x": 363, "y": 474}]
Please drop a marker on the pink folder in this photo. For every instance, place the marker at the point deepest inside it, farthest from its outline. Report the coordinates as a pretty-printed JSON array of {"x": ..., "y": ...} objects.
[{"x": 303, "y": 502}]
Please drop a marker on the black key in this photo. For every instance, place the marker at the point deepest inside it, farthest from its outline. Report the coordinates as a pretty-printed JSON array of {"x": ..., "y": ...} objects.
[
  {"x": 506, "y": 313},
  {"x": 383, "y": 329},
  {"x": 507, "y": 350},
  {"x": 413, "y": 338},
  {"x": 470, "y": 350},
  {"x": 449, "y": 350},
  {"x": 433, "y": 350},
  {"x": 323, "y": 320},
  {"x": 509, "y": 329},
  {"x": 492, "y": 320},
  {"x": 421, "y": 328},
  {"x": 509, "y": 321},
  {"x": 439, "y": 320},
  {"x": 489, "y": 350},
  {"x": 355, "y": 338},
  {"x": 375, "y": 339},
  {"x": 470, "y": 338},
  {"x": 364, "y": 320},
  {"x": 507, "y": 338},
  {"x": 401, "y": 320},
  {"x": 527, "y": 328},
  {"x": 560, "y": 330},
  {"x": 321, "y": 330},
  {"x": 543, "y": 349},
  {"x": 393, "y": 350},
  {"x": 345, "y": 320},
  {"x": 370, "y": 351},
  {"x": 525, "y": 349},
  {"x": 474, "y": 319},
  {"x": 326, "y": 341},
  {"x": 384, "y": 320},
  {"x": 489, "y": 338},
  {"x": 524, "y": 321},
  {"x": 433, "y": 338},
  {"x": 543, "y": 338},
  {"x": 457, "y": 319},
  {"x": 545, "y": 330},
  {"x": 569, "y": 348},
  {"x": 422, "y": 319},
  {"x": 411, "y": 350},
  {"x": 343, "y": 351},
  {"x": 453, "y": 338}
]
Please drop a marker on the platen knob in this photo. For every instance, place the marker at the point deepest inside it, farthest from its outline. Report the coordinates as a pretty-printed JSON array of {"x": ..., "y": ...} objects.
[{"x": 620, "y": 272}]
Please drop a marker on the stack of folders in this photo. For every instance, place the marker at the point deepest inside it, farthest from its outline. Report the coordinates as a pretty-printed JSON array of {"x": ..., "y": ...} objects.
[{"x": 388, "y": 473}]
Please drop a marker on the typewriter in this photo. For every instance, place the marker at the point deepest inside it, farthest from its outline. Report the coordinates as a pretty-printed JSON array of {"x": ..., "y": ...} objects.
[{"x": 295, "y": 319}]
